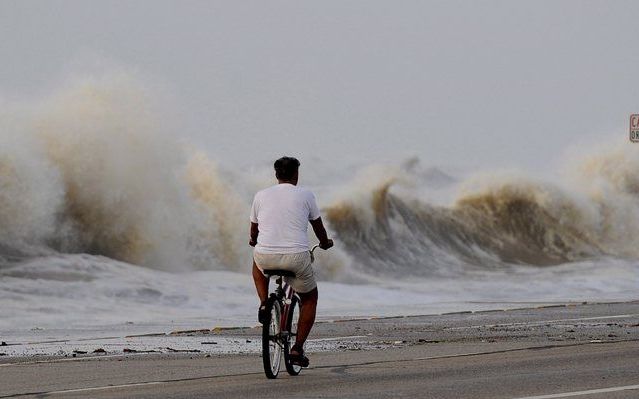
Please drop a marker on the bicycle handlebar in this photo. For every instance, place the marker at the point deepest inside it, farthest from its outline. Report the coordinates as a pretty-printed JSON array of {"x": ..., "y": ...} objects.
[
  {"x": 313, "y": 250},
  {"x": 315, "y": 247}
]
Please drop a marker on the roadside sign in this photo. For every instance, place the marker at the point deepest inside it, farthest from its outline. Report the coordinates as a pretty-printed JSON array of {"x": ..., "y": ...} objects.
[{"x": 634, "y": 128}]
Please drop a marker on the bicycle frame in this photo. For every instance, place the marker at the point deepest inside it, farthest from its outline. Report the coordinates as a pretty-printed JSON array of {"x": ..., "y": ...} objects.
[{"x": 284, "y": 294}]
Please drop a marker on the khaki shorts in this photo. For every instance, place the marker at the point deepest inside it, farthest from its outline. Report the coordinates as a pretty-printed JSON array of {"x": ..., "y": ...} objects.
[{"x": 299, "y": 263}]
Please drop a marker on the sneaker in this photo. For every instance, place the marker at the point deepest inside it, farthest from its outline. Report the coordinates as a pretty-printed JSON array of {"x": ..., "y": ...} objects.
[
  {"x": 298, "y": 359},
  {"x": 262, "y": 314}
]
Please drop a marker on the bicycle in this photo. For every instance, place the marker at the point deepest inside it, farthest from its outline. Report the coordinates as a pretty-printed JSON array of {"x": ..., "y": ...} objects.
[{"x": 280, "y": 330}]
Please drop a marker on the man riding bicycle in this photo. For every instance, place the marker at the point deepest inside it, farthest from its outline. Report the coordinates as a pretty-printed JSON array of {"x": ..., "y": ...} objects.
[{"x": 279, "y": 219}]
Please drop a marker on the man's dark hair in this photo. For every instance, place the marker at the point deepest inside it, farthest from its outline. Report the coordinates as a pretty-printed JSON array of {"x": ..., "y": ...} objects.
[{"x": 286, "y": 167}]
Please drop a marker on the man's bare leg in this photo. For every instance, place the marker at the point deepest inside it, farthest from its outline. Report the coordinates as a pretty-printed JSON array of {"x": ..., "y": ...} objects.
[
  {"x": 307, "y": 318},
  {"x": 261, "y": 283}
]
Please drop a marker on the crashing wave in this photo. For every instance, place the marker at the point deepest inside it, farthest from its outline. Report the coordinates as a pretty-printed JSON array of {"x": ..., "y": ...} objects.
[
  {"x": 91, "y": 170},
  {"x": 507, "y": 220}
]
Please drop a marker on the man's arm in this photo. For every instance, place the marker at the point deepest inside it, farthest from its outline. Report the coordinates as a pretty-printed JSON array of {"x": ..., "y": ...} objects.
[
  {"x": 254, "y": 232},
  {"x": 320, "y": 233}
]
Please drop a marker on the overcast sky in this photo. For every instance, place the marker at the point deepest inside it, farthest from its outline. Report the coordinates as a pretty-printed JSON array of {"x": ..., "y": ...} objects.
[{"x": 468, "y": 83}]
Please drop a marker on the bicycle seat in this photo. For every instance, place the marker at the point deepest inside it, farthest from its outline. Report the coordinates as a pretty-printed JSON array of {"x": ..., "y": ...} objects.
[{"x": 278, "y": 272}]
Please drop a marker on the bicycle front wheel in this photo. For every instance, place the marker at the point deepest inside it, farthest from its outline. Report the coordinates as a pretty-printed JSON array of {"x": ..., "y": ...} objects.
[
  {"x": 271, "y": 339},
  {"x": 291, "y": 327}
]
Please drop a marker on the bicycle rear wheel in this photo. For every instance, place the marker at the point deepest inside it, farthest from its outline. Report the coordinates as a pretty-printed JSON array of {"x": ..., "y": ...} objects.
[
  {"x": 271, "y": 337},
  {"x": 291, "y": 327}
]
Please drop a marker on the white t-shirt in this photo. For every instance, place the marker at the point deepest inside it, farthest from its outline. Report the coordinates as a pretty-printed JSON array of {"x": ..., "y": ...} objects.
[{"x": 282, "y": 213}]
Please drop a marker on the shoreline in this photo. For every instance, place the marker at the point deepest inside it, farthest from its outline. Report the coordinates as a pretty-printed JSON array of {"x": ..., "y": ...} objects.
[{"x": 329, "y": 334}]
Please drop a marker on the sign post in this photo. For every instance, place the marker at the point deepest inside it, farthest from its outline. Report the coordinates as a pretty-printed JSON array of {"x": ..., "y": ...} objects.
[{"x": 634, "y": 128}]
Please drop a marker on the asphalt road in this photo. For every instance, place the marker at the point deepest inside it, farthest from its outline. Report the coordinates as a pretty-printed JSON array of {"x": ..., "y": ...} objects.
[{"x": 518, "y": 355}]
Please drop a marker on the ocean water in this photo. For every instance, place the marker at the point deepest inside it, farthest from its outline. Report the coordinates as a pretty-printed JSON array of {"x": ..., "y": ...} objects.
[{"x": 108, "y": 220}]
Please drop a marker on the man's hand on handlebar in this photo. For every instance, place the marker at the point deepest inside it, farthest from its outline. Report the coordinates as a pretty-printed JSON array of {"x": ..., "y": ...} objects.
[
  {"x": 326, "y": 244},
  {"x": 320, "y": 233}
]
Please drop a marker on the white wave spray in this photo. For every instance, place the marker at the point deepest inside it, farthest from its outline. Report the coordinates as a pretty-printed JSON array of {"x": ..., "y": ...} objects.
[{"x": 92, "y": 170}]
